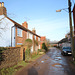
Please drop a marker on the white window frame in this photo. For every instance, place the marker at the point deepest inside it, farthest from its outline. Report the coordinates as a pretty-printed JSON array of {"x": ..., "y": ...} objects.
[
  {"x": 19, "y": 43},
  {"x": 38, "y": 39},
  {"x": 19, "y": 32}
]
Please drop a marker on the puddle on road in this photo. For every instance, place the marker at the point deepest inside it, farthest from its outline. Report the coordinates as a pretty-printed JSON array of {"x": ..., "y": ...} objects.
[
  {"x": 57, "y": 58},
  {"x": 57, "y": 65},
  {"x": 42, "y": 61}
]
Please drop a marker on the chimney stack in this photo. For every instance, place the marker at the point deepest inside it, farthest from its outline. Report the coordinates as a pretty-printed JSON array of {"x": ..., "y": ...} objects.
[
  {"x": 33, "y": 30},
  {"x": 2, "y": 4},
  {"x": 3, "y": 10},
  {"x": 25, "y": 24}
]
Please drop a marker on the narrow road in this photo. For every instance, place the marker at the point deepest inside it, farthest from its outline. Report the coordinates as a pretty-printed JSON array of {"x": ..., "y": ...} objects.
[{"x": 52, "y": 63}]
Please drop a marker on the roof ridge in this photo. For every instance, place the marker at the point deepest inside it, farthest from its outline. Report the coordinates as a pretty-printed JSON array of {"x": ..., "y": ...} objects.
[{"x": 22, "y": 27}]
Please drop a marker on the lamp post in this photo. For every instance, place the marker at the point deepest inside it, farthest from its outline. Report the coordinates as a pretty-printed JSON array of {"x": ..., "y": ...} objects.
[{"x": 71, "y": 30}]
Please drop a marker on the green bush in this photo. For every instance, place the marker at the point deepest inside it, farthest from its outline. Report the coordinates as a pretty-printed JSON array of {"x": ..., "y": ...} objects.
[
  {"x": 28, "y": 44},
  {"x": 27, "y": 55},
  {"x": 3, "y": 48},
  {"x": 41, "y": 50},
  {"x": 44, "y": 47},
  {"x": 33, "y": 55}
]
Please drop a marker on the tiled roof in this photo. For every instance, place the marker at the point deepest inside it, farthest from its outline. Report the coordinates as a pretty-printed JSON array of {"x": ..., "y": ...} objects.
[{"x": 22, "y": 27}]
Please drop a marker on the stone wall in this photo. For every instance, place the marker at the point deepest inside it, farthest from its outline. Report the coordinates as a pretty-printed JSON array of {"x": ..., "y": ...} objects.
[{"x": 10, "y": 57}]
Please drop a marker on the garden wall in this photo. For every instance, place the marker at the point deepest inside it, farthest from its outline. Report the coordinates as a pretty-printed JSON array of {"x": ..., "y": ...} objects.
[{"x": 11, "y": 56}]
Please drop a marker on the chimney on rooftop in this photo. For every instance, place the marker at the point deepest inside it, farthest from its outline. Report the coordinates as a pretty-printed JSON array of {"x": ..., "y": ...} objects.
[
  {"x": 25, "y": 24},
  {"x": 3, "y": 10},
  {"x": 2, "y": 4},
  {"x": 33, "y": 30}
]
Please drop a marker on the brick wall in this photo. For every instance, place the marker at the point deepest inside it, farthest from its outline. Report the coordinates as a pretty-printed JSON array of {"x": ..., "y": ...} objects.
[
  {"x": 10, "y": 57},
  {"x": 24, "y": 35},
  {"x": 43, "y": 40}
]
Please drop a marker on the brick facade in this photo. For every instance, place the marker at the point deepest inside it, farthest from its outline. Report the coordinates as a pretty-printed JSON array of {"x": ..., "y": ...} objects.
[
  {"x": 43, "y": 40},
  {"x": 27, "y": 35},
  {"x": 24, "y": 35}
]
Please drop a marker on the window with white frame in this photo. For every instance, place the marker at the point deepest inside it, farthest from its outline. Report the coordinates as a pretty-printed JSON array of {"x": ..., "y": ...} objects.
[
  {"x": 30, "y": 36},
  {"x": 19, "y": 32},
  {"x": 38, "y": 39},
  {"x": 19, "y": 43},
  {"x": 35, "y": 37}
]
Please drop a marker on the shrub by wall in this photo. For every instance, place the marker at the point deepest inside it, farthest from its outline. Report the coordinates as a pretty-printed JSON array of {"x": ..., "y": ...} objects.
[
  {"x": 44, "y": 47},
  {"x": 10, "y": 57}
]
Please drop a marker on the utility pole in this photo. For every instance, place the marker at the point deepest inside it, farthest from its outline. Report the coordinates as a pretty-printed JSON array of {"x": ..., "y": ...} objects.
[{"x": 71, "y": 29}]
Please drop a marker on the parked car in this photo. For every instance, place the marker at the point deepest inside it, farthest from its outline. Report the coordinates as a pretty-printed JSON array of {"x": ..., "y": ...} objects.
[{"x": 66, "y": 51}]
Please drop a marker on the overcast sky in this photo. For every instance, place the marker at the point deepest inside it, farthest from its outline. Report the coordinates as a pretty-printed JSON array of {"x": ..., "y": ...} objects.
[{"x": 41, "y": 15}]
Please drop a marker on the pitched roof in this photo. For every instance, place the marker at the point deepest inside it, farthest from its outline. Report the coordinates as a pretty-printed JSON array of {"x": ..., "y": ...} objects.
[{"x": 21, "y": 27}]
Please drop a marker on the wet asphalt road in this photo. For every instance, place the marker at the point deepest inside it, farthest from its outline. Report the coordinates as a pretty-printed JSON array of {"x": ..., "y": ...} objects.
[{"x": 52, "y": 63}]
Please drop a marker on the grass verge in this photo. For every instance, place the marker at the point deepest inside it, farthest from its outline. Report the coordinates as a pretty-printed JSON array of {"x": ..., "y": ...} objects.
[{"x": 12, "y": 70}]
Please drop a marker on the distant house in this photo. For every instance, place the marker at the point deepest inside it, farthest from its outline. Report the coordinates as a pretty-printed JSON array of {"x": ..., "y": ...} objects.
[
  {"x": 43, "y": 40},
  {"x": 68, "y": 38},
  {"x": 14, "y": 34}
]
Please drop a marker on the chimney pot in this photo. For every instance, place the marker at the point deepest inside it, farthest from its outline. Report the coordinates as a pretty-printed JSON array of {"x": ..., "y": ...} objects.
[
  {"x": 2, "y": 4},
  {"x": 25, "y": 24},
  {"x": 33, "y": 30}
]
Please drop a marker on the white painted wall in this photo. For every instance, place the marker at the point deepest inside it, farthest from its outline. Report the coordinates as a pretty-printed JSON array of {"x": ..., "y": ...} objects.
[
  {"x": 38, "y": 39},
  {"x": 5, "y": 35},
  {"x": 29, "y": 36},
  {"x": 39, "y": 46},
  {"x": 32, "y": 49}
]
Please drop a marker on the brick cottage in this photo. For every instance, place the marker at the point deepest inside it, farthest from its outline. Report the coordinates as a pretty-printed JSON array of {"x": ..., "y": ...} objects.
[{"x": 14, "y": 34}]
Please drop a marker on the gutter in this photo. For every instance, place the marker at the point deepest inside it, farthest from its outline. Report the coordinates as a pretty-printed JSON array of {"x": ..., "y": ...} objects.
[{"x": 11, "y": 35}]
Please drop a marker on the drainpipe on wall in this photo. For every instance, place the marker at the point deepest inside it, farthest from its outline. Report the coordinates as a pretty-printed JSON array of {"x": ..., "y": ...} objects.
[{"x": 11, "y": 35}]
